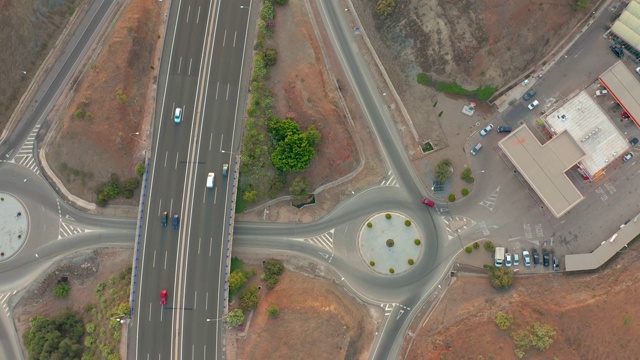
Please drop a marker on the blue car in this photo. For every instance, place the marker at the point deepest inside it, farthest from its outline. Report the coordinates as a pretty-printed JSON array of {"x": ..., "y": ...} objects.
[{"x": 176, "y": 221}]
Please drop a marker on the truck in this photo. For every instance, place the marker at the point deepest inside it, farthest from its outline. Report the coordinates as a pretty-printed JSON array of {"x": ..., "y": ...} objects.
[{"x": 499, "y": 256}]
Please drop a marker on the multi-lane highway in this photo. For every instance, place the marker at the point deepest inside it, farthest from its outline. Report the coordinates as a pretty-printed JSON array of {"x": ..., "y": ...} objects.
[{"x": 202, "y": 73}]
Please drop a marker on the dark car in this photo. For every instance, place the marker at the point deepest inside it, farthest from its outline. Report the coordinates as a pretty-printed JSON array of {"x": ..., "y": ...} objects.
[
  {"x": 504, "y": 129},
  {"x": 165, "y": 219},
  {"x": 634, "y": 142},
  {"x": 545, "y": 258},
  {"x": 556, "y": 264},
  {"x": 176, "y": 221},
  {"x": 536, "y": 256},
  {"x": 529, "y": 95},
  {"x": 617, "y": 50}
]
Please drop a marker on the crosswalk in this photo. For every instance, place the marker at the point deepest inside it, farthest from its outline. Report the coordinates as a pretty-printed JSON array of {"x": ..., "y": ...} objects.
[
  {"x": 25, "y": 156},
  {"x": 390, "y": 181},
  {"x": 68, "y": 230},
  {"x": 4, "y": 298},
  {"x": 324, "y": 241}
]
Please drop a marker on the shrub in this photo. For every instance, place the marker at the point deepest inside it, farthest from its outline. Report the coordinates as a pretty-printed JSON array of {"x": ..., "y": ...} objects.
[
  {"x": 468, "y": 249},
  {"x": 467, "y": 177},
  {"x": 423, "y": 79},
  {"x": 407, "y": 223},
  {"x": 272, "y": 311},
  {"x": 501, "y": 278},
  {"x": 443, "y": 171},
  {"x": 100, "y": 288},
  {"x": 440, "y": 113},
  {"x": 268, "y": 12},
  {"x": 61, "y": 290},
  {"x": 411, "y": 262},
  {"x": 385, "y": 7},
  {"x": 452, "y": 197},
  {"x": 372, "y": 263},
  {"x": 272, "y": 282},
  {"x": 235, "y": 317},
  {"x": 465, "y": 192},
  {"x": 503, "y": 320},
  {"x": 237, "y": 279},
  {"x": 476, "y": 245},
  {"x": 140, "y": 170},
  {"x": 488, "y": 245},
  {"x": 281, "y": 2},
  {"x": 416, "y": 241},
  {"x": 390, "y": 243},
  {"x": 392, "y": 270},
  {"x": 270, "y": 56},
  {"x": 536, "y": 335},
  {"x": 369, "y": 224},
  {"x": 273, "y": 267},
  {"x": 80, "y": 113},
  {"x": 388, "y": 216},
  {"x": 129, "y": 187},
  {"x": 249, "y": 298}
]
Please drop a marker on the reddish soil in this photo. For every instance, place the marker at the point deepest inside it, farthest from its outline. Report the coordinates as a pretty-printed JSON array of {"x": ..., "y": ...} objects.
[
  {"x": 105, "y": 136},
  {"x": 316, "y": 320},
  {"x": 594, "y": 314}
]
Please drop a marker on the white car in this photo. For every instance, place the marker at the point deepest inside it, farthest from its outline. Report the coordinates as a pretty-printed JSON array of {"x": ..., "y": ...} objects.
[
  {"x": 507, "y": 260},
  {"x": 177, "y": 116},
  {"x": 526, "y": 257},
  {"x": 627, "y": 157},
  {"x": 211, "y": 177},
  {"x": 533, "y": 104},
  {"x": 516, "y": 259},
  {"x": 486, "y": 130},
  {"x": 638, "y": 70}
]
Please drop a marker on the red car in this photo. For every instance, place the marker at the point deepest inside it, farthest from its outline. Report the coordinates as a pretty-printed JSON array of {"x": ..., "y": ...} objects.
[
  {"x": 163, "y": 297},
  {"x": 428, "y": 202},
  {"x": 625, "y": 115}
]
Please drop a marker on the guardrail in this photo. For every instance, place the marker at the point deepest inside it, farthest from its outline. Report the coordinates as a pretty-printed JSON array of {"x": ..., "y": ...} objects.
[
  {"x": 136, "y": 253},
  {"x": 232, "y": 217}
]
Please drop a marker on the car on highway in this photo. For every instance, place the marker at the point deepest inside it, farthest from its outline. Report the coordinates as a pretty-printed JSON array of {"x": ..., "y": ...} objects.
[
  {"x": 476, "y": 149},
  {"x": 225, "y": 169},
  {"x": 526, "y": 258},
  {"x": 177, "y": 116},
  {"x": 163, "y": 297},
  {"x": 545, "y": 258},
  {"x": 486, "y": 130},
  {"x": 516, "y": 259},
  {"x": 164, "y": 219},
  {"x": 428, "y": 202},
  {"x": 617, "y": 50},
  {"x": 634, "y": 142},
  {"x": 211, "y": 178},
  {"x": 556, "y": 264},
  {"x": 533, "y": 104},
  {"x": 536, "y": 257},
  {"x": 507, "y": 260},
  {"x": 627, "y": 157},
  {"x": 531, "y": 93},
  {"x": 176, "y": 221},
  {"x": 502, "y": 129}
]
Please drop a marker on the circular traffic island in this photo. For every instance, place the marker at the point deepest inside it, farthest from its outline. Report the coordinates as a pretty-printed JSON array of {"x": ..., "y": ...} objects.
[
  {"x": 14, "y": 225},
  {"x": 389, "y": 243}
]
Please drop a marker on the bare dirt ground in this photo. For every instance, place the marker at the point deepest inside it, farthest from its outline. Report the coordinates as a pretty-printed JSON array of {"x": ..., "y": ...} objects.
[
  {"x": 316, "y": 320},
  {"x": 84, "y": 272},
  {"x": 37, "y": 23},
  {"x": 594, "y": 314},
  {"x": 105, "y": 135},
  {"x": 307, "y": 83}
]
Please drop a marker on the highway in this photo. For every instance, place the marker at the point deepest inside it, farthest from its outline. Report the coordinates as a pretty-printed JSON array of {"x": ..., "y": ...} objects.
[{"x": 202, "y": 71}]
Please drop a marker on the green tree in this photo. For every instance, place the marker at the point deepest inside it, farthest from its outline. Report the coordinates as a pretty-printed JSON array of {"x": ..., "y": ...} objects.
[
  {"x": 503, "y": 320},
  {"x": 500, "y": 277},
  {"x": 443, "y": 171},
  {"x": 61, "y": 290},
  {"x": 129, "y": 187},
  {"x": 237, "y": 279},
  {"x": 235, "y": 317},
  {"x": 272, "y": 281},
  {"x": 385, "y": 7},
  {"x": 313, "y": 135},
  {"x": 56, "y": 338},
  {"x": 249, "y": 298},
  {"x": 273, "y": 267},
  {"x": 300, "y": 187},
  {"x": 140, "y": 170},
  {"x": 536, "y": 335},
  {"x": 270, "y": 56},
  {"x": 293, "y": 154},
  {"x": 272, "y": 311},
  {"x": 281, "y": 129},
  {"x": 250, "y": 196}
]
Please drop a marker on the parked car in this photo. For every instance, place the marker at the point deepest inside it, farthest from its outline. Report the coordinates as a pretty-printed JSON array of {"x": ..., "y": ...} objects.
[
  {"x": 502, "y": 129},
  {"x": 545, "y": 258},
  {"x": 476, "y": 149},
  {"x": 533, "y": 104},
  {"x": 507, "y": 260},
  {"x": 177, "y": 116},
  {"x": 225, "y": 169},
  {"x": 486, "y": 130},
  {"x": 163, "y": 297},
  {"x": 638, "y": 70},
  {"x": 556, "y": 264},
  {"x": 601, "y": 92},
  {"x": 526, "y": 258},
  {"x": 634, "y": 142},
  {"x": 531, "y": 93},
  {"x": 625, "y": 115},
  {"x": 536, "y": 257},
  {"x": 164, "y": 219},
  {"x": 627, "y": 157},
  {"x": 428, "y": 202},
  {"x": 516, "y": 259},
  {"x": 617, "y": 50},
  {"x": 176, "y": 221}
]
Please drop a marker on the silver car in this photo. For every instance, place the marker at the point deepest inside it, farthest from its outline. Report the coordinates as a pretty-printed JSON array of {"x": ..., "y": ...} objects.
[
  {"x": 533, "y": 104},
  {"x": 526, "y": 258},
  {"x": 486, "y": 130}
]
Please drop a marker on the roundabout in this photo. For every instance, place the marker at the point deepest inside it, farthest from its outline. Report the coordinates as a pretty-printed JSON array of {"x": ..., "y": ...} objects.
[{"x": 14, "y": 225}]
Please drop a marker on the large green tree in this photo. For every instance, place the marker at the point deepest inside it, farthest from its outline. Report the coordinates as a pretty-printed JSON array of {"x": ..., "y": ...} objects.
[
  {"x": 55, "y": 338},
  {"x": 249, "y": 298},
  {"x": 235, "y": 317},
  {"x": 236, "y": 281},
  {"x": 293, "y": 153}
]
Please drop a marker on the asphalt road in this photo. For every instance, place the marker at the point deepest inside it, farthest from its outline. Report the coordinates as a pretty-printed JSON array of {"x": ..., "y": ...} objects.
[{"x": 203, "y": 73}]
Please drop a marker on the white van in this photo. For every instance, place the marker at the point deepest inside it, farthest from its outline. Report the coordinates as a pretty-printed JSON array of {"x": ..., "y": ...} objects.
[{"x": 210, "y": 180}]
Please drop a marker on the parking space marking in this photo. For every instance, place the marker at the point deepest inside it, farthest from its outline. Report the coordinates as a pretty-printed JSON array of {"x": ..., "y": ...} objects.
[
  {"x": 610, "y": 187},
  {"x": 600, "y": 192},
  {"x": 527, "y": 231},
  {"x": 539, "y": 232}
]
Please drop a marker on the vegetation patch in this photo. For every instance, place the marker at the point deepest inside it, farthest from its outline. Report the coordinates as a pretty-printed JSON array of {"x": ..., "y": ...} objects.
[
  {"x": 482, "y": 92},
  {"x": 467, "y": 177},
  {"x": 427, "y": 147},
  {"x": 501, "y": 277},
  {"x": 443, "y": 171}
]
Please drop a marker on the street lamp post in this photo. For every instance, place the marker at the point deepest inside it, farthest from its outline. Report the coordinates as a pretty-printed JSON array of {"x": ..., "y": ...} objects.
[
  {"x": 135, "y": 133},
  {"x": 25, "y": 73}
]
